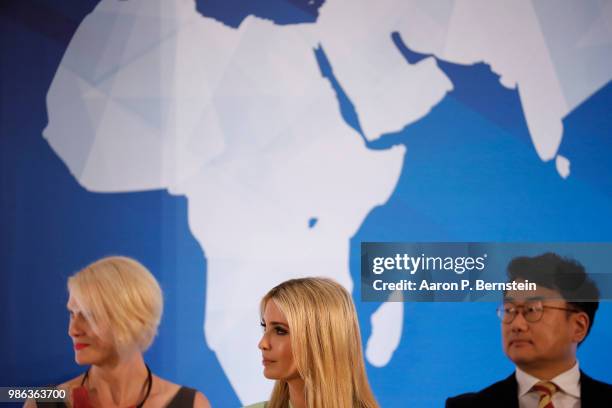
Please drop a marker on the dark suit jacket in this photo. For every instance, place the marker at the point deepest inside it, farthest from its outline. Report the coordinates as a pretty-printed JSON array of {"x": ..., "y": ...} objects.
[{"x": 504, "y": 394}]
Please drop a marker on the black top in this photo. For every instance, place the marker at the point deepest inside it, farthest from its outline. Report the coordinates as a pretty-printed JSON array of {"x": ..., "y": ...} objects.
[
  {"x": 182, "y": 399},
  {"x": 504, "y": 394}
]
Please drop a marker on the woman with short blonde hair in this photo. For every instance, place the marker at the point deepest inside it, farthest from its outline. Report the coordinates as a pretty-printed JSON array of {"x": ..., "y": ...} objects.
[
  {"x": 115, "y": 307},
  {"x": 311, "y": 346},
  {"x": 120, "y": 296}
]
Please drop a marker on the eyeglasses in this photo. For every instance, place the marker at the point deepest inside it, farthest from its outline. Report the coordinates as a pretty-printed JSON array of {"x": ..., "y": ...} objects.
[{"x": 531, "y": 311}]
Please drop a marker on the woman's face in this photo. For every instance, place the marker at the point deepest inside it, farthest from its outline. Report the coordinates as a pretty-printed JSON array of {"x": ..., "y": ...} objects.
[
  {"x": 275, "y": 345},
  {"x": 89, "y": 348}
]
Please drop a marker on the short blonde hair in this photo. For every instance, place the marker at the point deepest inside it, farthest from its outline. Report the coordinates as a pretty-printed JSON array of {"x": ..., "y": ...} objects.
[
  {"x": 120, "y": 295},
  {"x": 326, "y": 344}
]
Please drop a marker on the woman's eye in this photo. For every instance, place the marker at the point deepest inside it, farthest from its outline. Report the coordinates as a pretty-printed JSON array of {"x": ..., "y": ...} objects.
[{"x": 280, "y": 331}]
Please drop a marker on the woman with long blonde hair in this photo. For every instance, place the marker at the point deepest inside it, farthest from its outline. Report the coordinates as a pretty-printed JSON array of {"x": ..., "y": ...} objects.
[{"x": 311, "y": 346}]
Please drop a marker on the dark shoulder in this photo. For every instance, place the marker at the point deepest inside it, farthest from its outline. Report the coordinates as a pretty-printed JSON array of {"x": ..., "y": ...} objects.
[
  {"x": 187, "y": 397},
  {"x": 594, "y": 389},
  {"x": 595, "y": 383},
  {"x": 171, "y": 395},
  {"x": 504, "y": 390}
]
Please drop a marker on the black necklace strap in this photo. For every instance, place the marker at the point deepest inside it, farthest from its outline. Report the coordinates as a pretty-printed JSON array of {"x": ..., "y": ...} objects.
[
  {"x": 85, "y": 377},
  {"x": 149, "y": 384}
]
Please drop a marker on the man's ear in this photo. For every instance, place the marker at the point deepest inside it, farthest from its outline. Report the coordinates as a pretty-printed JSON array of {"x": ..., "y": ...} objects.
[{"x": 581, "y": 326}]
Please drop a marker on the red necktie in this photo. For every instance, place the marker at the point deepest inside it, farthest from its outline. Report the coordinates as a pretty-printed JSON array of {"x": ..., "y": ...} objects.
[{"x": 545, "y": 389}]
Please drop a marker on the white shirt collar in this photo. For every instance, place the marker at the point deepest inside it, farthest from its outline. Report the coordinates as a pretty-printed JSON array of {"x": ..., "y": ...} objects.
[{"x": 568, "y": 381}]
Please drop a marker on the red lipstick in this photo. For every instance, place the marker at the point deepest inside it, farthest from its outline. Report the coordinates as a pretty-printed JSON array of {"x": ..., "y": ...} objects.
[{"x": 80, "y": 346}]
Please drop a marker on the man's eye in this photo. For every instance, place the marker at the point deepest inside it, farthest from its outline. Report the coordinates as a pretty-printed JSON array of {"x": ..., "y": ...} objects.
[
  {"x": 509, "y": 310},
  {"x": 532, "y": 308}
]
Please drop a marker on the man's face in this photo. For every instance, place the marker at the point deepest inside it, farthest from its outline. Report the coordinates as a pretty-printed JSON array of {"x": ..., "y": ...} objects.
[{"x": 547, "y": 342}]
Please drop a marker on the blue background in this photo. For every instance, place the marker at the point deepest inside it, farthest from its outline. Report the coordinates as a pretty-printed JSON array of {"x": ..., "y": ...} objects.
[{"x": 471, "y": 174}]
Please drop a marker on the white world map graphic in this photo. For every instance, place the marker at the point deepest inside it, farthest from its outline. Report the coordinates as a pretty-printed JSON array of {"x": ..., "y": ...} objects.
[{"x": 153, "y": 95}]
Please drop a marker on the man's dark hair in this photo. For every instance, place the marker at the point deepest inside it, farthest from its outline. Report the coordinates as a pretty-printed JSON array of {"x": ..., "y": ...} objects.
[{"x": 563, "y": 275}]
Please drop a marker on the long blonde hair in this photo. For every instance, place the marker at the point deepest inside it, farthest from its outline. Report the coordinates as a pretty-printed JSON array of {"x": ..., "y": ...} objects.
[{"x": 326, "y": 344}]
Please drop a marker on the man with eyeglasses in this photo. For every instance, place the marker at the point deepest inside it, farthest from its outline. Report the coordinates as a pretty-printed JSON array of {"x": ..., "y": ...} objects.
[{"x": 541, "y": 330}]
